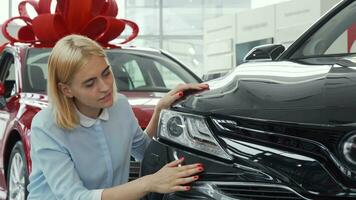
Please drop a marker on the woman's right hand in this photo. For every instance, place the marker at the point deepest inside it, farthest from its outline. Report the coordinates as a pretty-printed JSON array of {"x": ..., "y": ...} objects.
[{"x": 174, "y": 177}]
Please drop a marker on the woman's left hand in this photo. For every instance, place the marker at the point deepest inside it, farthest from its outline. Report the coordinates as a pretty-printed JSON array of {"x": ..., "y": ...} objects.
[{"x": 177, "y": 93}]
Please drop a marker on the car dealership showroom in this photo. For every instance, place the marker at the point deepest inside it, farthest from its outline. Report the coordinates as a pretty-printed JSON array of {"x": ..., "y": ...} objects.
[{"x": 178, "y": 99}]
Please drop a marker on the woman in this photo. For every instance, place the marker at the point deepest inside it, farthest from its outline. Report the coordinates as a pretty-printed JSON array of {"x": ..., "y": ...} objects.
[{"x": 81, "y": 144}]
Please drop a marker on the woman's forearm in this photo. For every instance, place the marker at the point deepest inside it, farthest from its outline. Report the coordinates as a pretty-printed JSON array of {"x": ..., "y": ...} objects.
[
  {"x": 151, "y": 128},
  {"x": 170, "y": 178},
  {"x": 133, "y": 190}
]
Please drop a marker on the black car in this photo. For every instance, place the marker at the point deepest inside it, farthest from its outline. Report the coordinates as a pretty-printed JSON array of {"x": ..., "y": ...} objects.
[{"x": 280, "y": 126}]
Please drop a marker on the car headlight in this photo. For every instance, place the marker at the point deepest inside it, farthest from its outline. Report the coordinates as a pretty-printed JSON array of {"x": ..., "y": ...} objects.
[
  {"x": 348, "y": 147},
  {"x": 190, "y": 131}
]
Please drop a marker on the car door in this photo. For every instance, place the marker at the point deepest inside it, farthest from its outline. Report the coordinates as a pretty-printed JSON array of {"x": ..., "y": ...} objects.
[
  {"x": 4, "y": 116},
  {"x": 8, "y": 78}
]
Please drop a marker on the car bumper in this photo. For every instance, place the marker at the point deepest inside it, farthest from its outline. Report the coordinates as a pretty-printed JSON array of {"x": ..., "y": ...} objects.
[
  {"x": 235, "y": 191},
  {"x": 230, "y": 181}
]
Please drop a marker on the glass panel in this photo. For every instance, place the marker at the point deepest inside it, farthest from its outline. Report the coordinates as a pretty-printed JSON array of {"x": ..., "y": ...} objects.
[
  {"x": 216, "y": 8},
  {"x": 4, "y": 14},
  {"x": 170, "y": 78},
  {"x": 183, "y": 4},
  {"x": 189, "y": 52},
  {"x": 262, "y": 3},
  {"x": 134, "y": 74},
  {"x": 10, "y": 78},
  {"x": 146, "y": 18},
  {"x": 142, "y": 3},
  {"x": 336, "y": 36},
  {"x": 148, "y": 42},
  {"x": 345, "y": 43},
  {"x": 182, "y": 21},
  {"x": 144, "y": 71},
  {"x": 11, "y": 72},
  {"x": 122, "y": 9},
  {"x": 14, "y": 8},
  {"x": 134, "y": 70}
]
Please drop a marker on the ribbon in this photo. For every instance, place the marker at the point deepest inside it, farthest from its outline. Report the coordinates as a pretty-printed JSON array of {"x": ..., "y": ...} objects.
[{"x": 95, "y": 19}]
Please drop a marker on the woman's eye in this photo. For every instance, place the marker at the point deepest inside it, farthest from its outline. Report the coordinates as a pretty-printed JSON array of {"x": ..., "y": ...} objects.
[
  {"x": 89, "y": 84},
  {"x": 107, "y": 73}
]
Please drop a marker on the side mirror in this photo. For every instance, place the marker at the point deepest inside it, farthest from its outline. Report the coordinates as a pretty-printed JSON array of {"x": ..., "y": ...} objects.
[
  {"x": 265, "y": 52},
  {"x": 2, "y": 89}
]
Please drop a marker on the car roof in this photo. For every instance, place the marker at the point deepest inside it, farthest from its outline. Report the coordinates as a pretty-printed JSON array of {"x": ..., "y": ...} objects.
[{"x": 25, "y": 46}]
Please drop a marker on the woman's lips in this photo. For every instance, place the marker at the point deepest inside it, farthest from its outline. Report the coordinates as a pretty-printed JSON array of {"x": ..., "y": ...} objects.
[{"x": 106, "y": 97}]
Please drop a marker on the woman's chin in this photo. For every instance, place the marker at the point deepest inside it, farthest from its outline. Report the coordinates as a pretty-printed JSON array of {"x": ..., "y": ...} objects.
[{"x": 108, "y": 103}]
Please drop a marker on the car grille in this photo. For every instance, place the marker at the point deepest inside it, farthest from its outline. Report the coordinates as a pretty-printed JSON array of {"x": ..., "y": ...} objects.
[
  {"x": 258, "y": 192},
  {"x": 294, "y": 137},
  {"x": 135, "y": 168}
]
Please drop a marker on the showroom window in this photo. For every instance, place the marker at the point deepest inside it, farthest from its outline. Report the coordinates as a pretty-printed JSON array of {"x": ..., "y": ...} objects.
[{"x": 177, "y": 26}]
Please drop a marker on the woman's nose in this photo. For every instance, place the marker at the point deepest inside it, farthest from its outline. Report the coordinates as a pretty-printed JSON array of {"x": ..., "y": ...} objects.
[{"x": 103, "y": 86}]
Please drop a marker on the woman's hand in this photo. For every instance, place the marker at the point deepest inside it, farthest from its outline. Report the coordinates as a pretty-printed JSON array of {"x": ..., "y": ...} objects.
[
  {"x": 178, "y": 93},
  {"x": 173, "y": 177}
]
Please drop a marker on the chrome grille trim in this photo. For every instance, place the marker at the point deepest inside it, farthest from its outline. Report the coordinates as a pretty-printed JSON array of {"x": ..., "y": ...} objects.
[{"x": 211, "y": 188}]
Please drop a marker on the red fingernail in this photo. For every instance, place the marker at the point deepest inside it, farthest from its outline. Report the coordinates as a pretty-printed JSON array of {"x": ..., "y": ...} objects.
[
  {"x": 196, "y": 177},
  {"x": 200, "y": 165},
  {"x": 180, "y": 94},
  {"x": 187, "y": 187},
  {"x": 181, "y": 158},
  {"x": 200, "y": 168}
]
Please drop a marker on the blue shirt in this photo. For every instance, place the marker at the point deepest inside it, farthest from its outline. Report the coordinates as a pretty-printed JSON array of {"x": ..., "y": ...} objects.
[{"x": 80, "y": 163}]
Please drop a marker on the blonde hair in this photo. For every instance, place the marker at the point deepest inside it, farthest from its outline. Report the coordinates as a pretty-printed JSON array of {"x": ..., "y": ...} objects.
[{"x": 68, "y": 55}]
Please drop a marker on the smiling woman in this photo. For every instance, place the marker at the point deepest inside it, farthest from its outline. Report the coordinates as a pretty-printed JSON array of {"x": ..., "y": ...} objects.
[{"x": 90, "y": 118}]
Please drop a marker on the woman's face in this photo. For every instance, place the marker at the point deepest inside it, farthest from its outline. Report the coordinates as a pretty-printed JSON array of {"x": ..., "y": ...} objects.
[{"x": 92, "y": 87}]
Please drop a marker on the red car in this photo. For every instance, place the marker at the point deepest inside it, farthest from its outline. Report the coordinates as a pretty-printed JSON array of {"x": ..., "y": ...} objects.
[{"x": 143, "y": 75}]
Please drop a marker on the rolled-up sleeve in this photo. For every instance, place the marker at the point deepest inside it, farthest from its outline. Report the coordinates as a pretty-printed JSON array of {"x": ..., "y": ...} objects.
[{"x": 58, "y": 168}]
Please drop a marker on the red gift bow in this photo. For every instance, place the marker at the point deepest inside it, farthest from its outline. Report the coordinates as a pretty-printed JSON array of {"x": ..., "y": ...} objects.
[{"x": 95, "y": 19}]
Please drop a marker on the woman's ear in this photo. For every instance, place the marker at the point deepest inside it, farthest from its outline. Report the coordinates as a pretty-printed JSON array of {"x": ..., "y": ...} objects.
[{"x": 65, "y": 89}]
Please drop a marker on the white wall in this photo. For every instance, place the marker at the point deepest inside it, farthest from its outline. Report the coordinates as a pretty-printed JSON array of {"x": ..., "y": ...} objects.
[
  {"x": 284, "y": 22},
  {"x": 294, "y": 17},
  {"x": 263, "y": 3},
  {"x": 219, "y": 40},
  {"x": 255, "y": 24}
]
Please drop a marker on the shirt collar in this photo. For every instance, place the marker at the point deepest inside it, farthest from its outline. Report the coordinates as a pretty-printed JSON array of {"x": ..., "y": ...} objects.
[{"x": 87, "y": 122}]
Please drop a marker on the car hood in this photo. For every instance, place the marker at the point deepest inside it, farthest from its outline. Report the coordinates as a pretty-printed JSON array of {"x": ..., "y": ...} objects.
[{"x": 280, "y": 91}]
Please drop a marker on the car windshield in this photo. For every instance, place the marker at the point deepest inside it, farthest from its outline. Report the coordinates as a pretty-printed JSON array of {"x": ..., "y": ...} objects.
[
  {"x": 133, "y": 71},
  {"x": 335, "y": 38}
]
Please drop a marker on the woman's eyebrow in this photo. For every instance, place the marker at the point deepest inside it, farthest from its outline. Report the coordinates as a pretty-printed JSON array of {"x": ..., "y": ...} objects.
[
  {"x": 93, "y": 78},
  {"x": 107, "y": 68}
]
